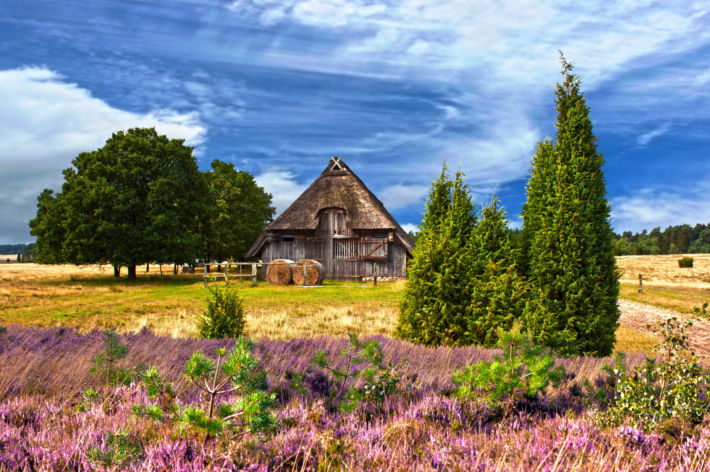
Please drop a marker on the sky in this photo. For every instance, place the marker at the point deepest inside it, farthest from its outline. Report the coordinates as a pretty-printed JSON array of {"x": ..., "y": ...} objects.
[{"x": 395, "y": 88}]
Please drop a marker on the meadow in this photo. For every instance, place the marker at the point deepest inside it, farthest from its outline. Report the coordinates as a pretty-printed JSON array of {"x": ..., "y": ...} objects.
[{"x": 88, "y": 298}]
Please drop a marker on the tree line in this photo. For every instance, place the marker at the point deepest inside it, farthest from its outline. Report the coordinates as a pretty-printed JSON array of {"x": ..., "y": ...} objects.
[
  {"x": 558, "y": 279},
  {"x": 142, "y": 199},
  {"x": 680, "y": 239}
]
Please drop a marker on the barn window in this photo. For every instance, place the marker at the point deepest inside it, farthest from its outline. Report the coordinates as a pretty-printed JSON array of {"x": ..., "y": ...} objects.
[{"x": 287, "y": 238}]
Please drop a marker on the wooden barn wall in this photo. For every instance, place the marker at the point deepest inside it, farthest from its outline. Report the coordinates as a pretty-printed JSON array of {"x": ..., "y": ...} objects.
[{"x": 340, "y": 258}]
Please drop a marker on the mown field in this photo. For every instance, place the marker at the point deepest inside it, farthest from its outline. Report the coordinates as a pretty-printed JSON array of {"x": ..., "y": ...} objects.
[{"x": 664, "y": 283}]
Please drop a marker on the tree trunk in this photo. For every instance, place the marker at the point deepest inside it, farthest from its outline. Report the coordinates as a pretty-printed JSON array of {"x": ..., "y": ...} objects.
[
  {"x": 132, "y": 271},
  {"x": 174, "y": 269},
  {"x": 219, "y": 267},
  {"x": 117, "y": 271},
  {"x": 147, "y": 267}
]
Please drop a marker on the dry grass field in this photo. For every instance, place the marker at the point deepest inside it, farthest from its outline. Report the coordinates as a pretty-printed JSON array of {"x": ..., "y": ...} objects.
[
  {"x": 89, "y": 297},
  {"x": 664, "y": 283}
]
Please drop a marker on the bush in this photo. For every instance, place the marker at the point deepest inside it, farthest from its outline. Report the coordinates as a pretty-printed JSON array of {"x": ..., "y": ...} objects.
[
  {"x": 673, "y": 389},
  {"x": 224, "y": 317},
  {"x": 685, "y": 262},
  {"x": 521, "y": 372}
]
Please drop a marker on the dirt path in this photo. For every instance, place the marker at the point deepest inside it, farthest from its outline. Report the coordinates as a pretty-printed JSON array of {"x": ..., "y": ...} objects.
[{"x": 638, "y": 316}]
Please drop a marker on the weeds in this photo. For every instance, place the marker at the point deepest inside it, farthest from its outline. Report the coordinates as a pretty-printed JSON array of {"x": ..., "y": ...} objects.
[{"x": 670, "y": 392}]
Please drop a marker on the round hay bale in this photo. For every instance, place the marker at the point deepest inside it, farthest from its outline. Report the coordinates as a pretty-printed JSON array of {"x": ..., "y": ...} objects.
[
  {"x": 278, "y": 272},
  {"x": 314, "y": 272}
]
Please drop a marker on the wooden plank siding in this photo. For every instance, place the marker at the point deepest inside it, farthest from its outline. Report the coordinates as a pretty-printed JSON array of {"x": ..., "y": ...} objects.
[{"x": 343, "y": 258}]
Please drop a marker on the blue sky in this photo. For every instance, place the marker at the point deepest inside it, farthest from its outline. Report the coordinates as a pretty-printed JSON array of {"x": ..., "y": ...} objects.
[{"x": 393, "y": 87}]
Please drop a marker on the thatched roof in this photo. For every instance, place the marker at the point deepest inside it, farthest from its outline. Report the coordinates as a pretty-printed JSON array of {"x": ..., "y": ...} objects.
[{"x": 337, "y": 186}]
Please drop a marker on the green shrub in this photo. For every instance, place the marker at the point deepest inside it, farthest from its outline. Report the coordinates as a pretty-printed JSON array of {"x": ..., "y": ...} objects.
[
  {"x": 685, "y": 262},
  {"x": 234, "y": 372},
  {"x": 364, "y": 362},
  {"x": 672, "y": 388},
  {"x": 224, "y": 317},
  {"x": 522, "y": 371}
]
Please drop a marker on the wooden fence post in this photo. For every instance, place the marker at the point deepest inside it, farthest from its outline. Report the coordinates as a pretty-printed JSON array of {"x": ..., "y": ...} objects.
[
  {"x": 253, "y": 274},
  {"x": 640, "y": 283},
  {"x": 374, "y": 273}
]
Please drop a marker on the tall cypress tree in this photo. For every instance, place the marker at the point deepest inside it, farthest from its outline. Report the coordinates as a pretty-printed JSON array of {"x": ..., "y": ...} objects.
[
  {"x": 436, "y": 300},
  {"x": 569, "y": 251}
]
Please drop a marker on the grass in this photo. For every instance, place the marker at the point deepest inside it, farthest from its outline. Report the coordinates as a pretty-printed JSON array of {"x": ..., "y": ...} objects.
[
  {"x": 664, "y": 271},
  {"x": 677, "y": 298},
  {"x": 90, "y": 298},
  {"x": 631, "y": 340}
]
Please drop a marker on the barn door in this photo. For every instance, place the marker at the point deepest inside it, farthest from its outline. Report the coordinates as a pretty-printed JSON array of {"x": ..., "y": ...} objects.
[
  {"x": 346, "y": 259},
  {"x": 373, "y": 249}
]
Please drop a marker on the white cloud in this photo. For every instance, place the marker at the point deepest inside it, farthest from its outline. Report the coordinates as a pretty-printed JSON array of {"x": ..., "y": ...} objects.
[
  {"x": 282, "y": 186},
  {"x": 410, "y": 228},
  {"x": 45, "y": 122},
  {"x": 401, "y": 196},
  {"x": 650, "y": 207},
  {"x": 646, "y": 138}
]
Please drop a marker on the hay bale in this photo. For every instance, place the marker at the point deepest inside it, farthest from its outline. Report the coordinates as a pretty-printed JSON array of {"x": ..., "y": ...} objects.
[
  {"x": 314, "y": 272},
  {"x": 278, "y": 272}
]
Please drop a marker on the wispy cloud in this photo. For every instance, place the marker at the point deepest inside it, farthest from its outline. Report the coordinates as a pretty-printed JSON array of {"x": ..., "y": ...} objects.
[
  {"x": 401, "y": 196},
  {"x": 647, "y": 137}
]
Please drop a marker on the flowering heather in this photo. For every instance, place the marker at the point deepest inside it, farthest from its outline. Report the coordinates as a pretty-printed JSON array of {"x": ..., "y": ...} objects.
[
  {"x": 428, "y": 433},
  {"x": 57, "y": 361},
  {"x": 45, "y": 424}
]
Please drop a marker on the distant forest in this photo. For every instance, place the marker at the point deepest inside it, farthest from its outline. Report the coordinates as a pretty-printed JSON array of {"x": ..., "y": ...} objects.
[
  {"x": 681, "y": 239},
  {"x": 12, "y": 248}
]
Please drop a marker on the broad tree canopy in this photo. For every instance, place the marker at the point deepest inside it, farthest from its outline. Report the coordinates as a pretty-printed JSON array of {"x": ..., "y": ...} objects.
[{"x": 135, "y": 200}]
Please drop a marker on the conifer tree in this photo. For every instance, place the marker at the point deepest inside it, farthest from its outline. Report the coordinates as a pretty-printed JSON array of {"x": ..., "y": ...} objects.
[
  {"x": 499, "y": 293},
  {"x": 569, "y": 251},
  {"x": 437, "y": 298}
]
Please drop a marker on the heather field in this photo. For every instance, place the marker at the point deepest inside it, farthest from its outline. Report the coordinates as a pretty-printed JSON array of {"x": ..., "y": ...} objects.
[{"x": 46, "y": 425}]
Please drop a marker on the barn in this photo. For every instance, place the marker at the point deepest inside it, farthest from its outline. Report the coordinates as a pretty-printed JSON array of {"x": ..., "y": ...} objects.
[{"x": 339, "y": 222}]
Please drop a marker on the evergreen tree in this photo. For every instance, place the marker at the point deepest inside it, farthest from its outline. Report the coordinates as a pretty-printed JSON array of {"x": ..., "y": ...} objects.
[
  {"x": 436, "y": 302},
  {"x": 569, "y": 260},
  {"x": 499, "y": 293}
]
